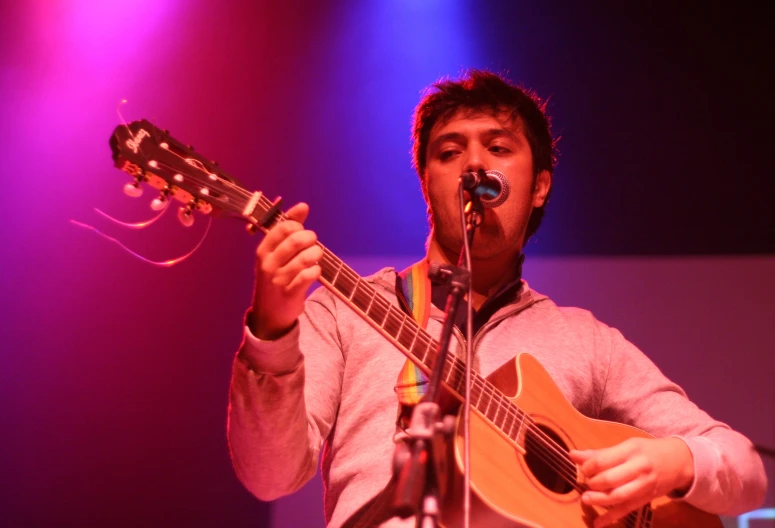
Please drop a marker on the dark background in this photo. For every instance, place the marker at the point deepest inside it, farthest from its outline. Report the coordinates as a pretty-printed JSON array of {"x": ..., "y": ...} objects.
[{"x": 115, "y": 373}]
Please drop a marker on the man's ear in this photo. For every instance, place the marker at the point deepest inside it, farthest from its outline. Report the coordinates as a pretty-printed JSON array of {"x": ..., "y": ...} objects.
[{"x": 541, "y": 189}]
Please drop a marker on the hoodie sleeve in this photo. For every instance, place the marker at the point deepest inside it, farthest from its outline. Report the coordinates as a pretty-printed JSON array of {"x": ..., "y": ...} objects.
[
  {"x": 729, "y": 477},
  {"x": 283, "y": 401}
]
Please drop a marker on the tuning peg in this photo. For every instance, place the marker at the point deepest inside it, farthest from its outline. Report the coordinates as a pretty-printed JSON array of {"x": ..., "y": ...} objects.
[
  {"x": 158, "y": 203},
  {"x": 133, "y": 189},
  {"x": 161, "y": 202},
  {"x": 185, "y": 216}
]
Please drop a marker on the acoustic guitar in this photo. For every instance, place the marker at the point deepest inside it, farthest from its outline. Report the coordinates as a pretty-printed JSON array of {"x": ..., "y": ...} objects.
[{"x": 522, "y": 427}]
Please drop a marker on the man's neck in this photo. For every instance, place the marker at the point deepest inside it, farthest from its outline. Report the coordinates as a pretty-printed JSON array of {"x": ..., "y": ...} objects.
[{"x": 489, "y": 275}]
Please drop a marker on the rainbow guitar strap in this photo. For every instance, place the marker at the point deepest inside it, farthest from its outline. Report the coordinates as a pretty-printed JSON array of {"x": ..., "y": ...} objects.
[{"x": 412, "y": 383}]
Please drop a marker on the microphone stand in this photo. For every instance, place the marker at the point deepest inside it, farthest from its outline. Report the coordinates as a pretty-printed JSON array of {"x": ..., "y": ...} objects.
[{"x": 418, "y": 479}]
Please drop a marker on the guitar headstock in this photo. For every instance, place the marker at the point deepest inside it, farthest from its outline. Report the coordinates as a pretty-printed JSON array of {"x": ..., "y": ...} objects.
[{"x": 151, "y": 156}]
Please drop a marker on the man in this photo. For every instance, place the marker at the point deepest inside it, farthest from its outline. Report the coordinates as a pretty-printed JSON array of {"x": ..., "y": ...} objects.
[{"x": 313, "y": 373}]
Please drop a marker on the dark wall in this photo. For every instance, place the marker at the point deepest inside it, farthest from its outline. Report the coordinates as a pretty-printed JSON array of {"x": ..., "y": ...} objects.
[{"x": 115, "y": 373}]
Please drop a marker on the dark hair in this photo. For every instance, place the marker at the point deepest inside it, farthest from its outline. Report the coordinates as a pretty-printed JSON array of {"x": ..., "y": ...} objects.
[{"x": 484, "y": 91}]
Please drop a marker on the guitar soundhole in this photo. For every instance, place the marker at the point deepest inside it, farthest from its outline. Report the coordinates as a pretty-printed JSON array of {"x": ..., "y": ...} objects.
[{"x": 547, "y": 458}]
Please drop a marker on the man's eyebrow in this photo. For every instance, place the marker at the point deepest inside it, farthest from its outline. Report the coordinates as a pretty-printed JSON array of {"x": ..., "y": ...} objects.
[
  {"x": 449, "y": 136},
  {"x": 498, "y": 132}
]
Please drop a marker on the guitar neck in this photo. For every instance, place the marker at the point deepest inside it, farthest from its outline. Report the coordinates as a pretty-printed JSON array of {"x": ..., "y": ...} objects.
[
  {"x": 406, "y": 334},
  {"x": 152, "y": 156},
  {"x": 416, "y": 343}
]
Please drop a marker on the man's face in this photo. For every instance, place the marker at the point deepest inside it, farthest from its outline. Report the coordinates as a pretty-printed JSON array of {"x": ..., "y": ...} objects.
[{"x": 470, "y": 141}]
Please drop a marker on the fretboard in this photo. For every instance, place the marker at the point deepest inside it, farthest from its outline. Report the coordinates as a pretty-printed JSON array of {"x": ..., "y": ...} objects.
[
  {"x": 408, "y": 336},
  {"x": 417, "y": 344}
]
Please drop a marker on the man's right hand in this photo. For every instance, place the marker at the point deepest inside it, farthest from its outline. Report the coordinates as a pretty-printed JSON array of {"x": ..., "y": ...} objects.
[{"x": 286, "y": 266}]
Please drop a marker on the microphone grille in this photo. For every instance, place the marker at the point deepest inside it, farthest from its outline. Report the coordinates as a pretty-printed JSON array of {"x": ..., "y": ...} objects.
[{"x": 505, "y": 189}]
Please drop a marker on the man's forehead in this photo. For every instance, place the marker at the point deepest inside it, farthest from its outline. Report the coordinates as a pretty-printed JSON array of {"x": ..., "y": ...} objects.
[{"x": 501, "y": 118}]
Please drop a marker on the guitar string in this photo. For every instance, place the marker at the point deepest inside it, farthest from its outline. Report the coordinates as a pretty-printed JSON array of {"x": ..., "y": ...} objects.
[
  {"x": 161, "y": 263},
  {"x": 553, "y": 454},
  {"x": 133, "y": 225},
  {"x": 204, "y": 183}
]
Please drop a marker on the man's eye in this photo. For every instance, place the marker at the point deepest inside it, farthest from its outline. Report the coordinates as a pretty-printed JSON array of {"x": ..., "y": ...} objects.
[
  {"x": 447, "y": 154},
  {"x": 499, "y": 149}
]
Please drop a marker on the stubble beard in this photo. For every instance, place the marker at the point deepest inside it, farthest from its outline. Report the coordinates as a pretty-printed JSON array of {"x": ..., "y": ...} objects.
[{"x": 490, "y": 238}]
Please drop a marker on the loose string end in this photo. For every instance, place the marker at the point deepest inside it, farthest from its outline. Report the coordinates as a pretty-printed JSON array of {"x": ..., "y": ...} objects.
[
  {"x": 162, "y": 264},
  {"x": 134, "y": 225}
]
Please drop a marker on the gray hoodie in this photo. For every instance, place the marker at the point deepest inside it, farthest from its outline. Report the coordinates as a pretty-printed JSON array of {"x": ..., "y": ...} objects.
[{"x": 329, "y": 384}]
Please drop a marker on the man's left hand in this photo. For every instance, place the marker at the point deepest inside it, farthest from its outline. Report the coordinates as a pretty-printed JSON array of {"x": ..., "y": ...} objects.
[{"x": 629, "y": 475}]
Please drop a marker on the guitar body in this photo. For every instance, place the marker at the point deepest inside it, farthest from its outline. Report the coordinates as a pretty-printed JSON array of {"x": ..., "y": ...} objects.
[{"x": 509, "y": 489}]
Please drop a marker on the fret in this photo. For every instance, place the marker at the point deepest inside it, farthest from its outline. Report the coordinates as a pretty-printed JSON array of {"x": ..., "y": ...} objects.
[
  {"x": 487, "y": 401},
  {"x": 410, "y": 348},
  {"x": 451, "y": 370},
  {"x": 501, "y": 413},
  {"x": 509, "y": 424},
  {"x": 355, "y": 289},
  {"x": 404, "y": 317},
  {"x": 460, "y": 378},
  {"x": 346, "y": 284},
  {"x": 362, "y": 297},
  {"x": 393, "y": 322},
  {"x": 492, "y": 410},
  {"x": 461, "y": 384},
  {"x": 371, "y": 301},
  {"x": 338, "y": 270},
  {"x": 521, "y": 417},
  {"x": 405, "y": 337},
  {"x": 476, "y": 392},
  {"x": 426, "y": 357},
  {"x": 379, "y": 311}
]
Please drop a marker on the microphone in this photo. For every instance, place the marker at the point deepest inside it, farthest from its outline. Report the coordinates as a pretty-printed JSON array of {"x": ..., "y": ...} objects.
[{"x": 491, "y": 187}]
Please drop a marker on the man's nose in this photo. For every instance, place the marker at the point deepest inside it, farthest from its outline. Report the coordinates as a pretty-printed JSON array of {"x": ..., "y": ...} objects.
[{"x": 475, "y": 160}]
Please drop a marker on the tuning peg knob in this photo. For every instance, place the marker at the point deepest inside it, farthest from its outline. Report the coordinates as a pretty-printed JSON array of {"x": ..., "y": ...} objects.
[
  {"x": 159, "y": 203},
  {"x": 133, "y": 189},
  {"x": 185, "y": 216}
]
